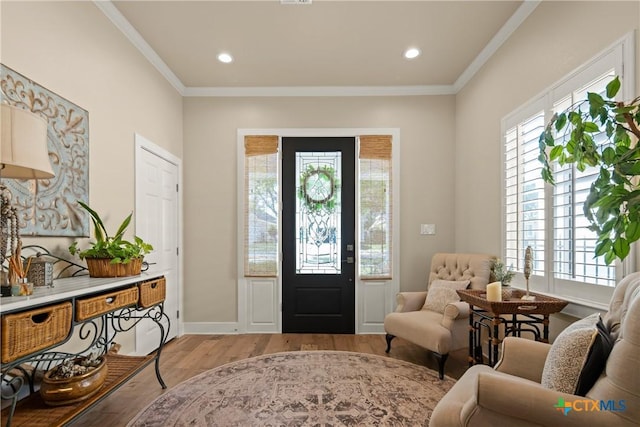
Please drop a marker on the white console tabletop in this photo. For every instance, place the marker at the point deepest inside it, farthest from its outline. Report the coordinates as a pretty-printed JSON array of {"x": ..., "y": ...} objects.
[{"x": 70, "y": 287}]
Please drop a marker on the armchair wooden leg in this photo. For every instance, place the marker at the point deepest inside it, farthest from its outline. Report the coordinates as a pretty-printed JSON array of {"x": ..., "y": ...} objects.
[
  {"x": 389, "y": 338},
  {"x": 442, "y": 358}
]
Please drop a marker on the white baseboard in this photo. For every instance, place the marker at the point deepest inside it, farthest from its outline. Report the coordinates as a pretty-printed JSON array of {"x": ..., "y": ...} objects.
[
  {"x": 211, "y": 328},
  {"x": 230, "y": 328},
  {"x": 375, "y": 328}
]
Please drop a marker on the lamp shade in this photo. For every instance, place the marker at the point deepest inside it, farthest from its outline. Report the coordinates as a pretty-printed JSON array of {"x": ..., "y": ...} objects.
[{"x": 23, "y": 145}]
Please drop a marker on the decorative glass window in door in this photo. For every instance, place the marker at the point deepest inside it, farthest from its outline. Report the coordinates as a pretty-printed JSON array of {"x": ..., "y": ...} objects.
[{"x": 318, "y": 212}]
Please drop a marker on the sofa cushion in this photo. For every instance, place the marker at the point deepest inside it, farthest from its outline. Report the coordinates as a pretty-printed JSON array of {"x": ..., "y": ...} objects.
[
  {"x": 568, "y": 355},
  {"x": 596, "y": 359},
  {"x": 443, "y": 292}
]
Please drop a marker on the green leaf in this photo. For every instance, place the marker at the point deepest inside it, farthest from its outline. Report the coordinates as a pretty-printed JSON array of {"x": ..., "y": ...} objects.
[
  {"x": 609, "y": 155},
  {"x": 621, "y": 247},
  {"x": 613, "y": 87},
  {"x": 561, "y": 121},
  {"x": 99, "y": 230},
  {"x": 123, "y": 227},
  {"x": 591, "y": 127},
  {"x": 603, "y": 247},
  {"x": 632, "y": 233},
  {"x": 609, "y": 257},
  {"x": 555, "y": 152}
]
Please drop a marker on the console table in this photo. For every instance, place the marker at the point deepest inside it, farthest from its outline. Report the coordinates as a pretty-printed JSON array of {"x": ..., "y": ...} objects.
[
  {"x": 94, "y": 311},
  {"x": 518, "y": 317}
]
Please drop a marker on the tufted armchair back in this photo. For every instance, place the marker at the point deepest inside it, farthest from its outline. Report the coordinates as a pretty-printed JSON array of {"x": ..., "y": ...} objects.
[
  {"x": 621, "y": 379},
  {"x": 454, "y": 266}
]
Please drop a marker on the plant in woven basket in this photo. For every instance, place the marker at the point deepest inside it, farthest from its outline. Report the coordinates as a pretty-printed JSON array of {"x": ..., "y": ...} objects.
[
  {"x": 115, "y": 248},
  {"x": 502, "y": 273}
]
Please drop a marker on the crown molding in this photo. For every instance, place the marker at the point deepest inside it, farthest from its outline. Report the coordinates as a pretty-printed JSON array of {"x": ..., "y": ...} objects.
[
  {"x": 284, "y": 91},
  {"x": 520, "y": 15},
  {"x": 525, "y": 9},
  {"x": 136, "y": 39}
]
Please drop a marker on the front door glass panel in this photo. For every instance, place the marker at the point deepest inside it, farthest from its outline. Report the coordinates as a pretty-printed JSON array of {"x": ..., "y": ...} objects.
[{"x": 318, "y": 212}]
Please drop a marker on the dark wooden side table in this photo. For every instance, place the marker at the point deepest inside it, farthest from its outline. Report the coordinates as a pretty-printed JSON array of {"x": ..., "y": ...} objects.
[{"x": 517, "y": 316}]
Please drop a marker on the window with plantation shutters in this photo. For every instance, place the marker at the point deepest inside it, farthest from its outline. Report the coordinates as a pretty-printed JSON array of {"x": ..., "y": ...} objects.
[
  {"x": 261, "y": 206},
  {"x": 547, "y": 218},
  {"x": 524, "y": 194},
  {"x": 375, "y": 206},
  {"x": 574, "y": 243}
]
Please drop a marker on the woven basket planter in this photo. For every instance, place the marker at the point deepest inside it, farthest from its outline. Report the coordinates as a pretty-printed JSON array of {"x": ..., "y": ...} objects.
[{"x": 102, "y": 267}]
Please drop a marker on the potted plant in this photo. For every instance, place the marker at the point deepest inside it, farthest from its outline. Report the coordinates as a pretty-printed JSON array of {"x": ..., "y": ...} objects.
[
  {"x": 613, "y": 204},
  {"x": 503, "y": 275},
  {"x": 74, "y": 380},
  {"x": 111, "y": 256}
]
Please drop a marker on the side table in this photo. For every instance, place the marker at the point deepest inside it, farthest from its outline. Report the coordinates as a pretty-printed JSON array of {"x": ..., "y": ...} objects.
[{"x": 516, "y": 315}]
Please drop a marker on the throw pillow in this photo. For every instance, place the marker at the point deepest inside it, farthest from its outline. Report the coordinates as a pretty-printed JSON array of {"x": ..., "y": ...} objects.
[
  {"x": 568, "y": 355},
  {"x": 443, "y": 292},
  {"x": 596, "y": 359}
]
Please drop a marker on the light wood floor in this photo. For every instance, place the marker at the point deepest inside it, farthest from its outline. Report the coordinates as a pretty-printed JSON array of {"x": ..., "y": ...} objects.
[{"x": 190, "y": 355}]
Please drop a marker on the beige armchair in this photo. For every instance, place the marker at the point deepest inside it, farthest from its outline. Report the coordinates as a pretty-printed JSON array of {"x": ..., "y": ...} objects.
[
  {"x": 440, "y": 332},
  {"x": 512, "y": 394}
]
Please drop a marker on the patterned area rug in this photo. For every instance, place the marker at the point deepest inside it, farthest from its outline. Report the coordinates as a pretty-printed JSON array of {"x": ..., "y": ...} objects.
[{"x": 302, "y": 388}]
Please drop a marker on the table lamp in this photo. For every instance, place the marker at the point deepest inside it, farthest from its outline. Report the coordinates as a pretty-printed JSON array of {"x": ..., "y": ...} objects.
[{"x": 23, "y": 155}]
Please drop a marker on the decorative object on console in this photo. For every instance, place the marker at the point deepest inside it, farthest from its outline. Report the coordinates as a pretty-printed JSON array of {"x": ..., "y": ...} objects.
[
  {"x": 47, "y": 208},
  {"x": 111, "y": 256},
  {"x": 494, "y": 291},
  {"x": 528, "y": 266},
  {"x": 23, "y": 155},
  {"x": 74, "y": 380},
  {"x": 20, "y": 286},
  {"x": 41, "y": 271}
]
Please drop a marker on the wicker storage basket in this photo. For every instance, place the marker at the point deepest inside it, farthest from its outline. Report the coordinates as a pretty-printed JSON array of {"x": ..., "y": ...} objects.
[
  {"x": 152, "y": 292},
  {"x": 30, "y": 331},
  {"x": 88, "y": 308},
  {"x": 102, "y": 267}
]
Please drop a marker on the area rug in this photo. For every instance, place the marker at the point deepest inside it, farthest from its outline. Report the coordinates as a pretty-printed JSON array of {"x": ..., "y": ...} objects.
[{"x": 302, "y": 388}]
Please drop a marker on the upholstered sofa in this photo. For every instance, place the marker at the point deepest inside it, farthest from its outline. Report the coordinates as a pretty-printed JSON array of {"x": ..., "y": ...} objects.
[
  {"x": 512, "y": 394},
  {"x": 445, "y": 329}
]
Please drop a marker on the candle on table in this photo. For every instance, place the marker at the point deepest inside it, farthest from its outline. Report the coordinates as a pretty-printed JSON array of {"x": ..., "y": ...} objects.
[{"x": 494, "y": 291}]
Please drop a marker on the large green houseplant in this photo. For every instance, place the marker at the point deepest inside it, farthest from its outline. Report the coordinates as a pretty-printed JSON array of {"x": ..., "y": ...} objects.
[
  {"x": 613, "y": 204},
  {"x": 125, "y": 256}
]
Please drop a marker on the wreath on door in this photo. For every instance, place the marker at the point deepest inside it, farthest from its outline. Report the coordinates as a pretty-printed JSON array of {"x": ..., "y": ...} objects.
[{"x": 318, "y": 188}]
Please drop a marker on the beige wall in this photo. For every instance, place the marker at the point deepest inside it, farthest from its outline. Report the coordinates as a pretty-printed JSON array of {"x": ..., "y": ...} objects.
[
  {"x": 72, "y": 49},
  {"x": 557, "y": 38},
  {"x": 426, "y": 133}
]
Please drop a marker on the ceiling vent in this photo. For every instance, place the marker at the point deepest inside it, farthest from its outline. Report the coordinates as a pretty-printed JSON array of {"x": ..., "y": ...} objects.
[{"x": 295, "y": 1}]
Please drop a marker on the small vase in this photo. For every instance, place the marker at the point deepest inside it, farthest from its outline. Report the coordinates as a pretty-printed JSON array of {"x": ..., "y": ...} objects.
[{"x": 507, "y": 292}]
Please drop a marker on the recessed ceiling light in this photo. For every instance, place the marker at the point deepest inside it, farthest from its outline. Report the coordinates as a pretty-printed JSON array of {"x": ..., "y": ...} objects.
[
  {"x": 225, "y": 57},
  {"x": 412, "y": 52}
]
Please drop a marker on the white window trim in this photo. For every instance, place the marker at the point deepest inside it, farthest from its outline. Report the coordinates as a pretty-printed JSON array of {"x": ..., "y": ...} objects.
[{"x": 623, "y": 53}]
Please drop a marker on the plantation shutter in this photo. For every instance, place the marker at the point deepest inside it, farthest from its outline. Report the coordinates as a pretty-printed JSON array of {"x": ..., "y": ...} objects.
[
  {"x": 261, "y": 206},
  {"x": 524, "y": 194},
  {"x": 375, "y": 206}
]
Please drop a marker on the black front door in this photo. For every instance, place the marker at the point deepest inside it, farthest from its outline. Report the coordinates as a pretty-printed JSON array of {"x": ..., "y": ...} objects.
[{"x": 318, "y": 230}]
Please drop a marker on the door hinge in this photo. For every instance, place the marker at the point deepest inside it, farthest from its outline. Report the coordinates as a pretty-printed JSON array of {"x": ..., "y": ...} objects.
[
  {"x": 177, "y": 314},
  {"x": 177, "y": 251},
  {"x": 176, "y": 188}
]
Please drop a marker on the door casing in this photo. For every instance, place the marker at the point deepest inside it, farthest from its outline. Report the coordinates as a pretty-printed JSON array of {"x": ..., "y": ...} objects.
[
  {"x": 260, "y": 299},
  {"x": 144, "y": 145}
]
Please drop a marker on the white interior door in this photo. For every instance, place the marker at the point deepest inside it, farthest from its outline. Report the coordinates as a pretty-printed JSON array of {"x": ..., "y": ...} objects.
[{"x": 157, "y": 222}]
